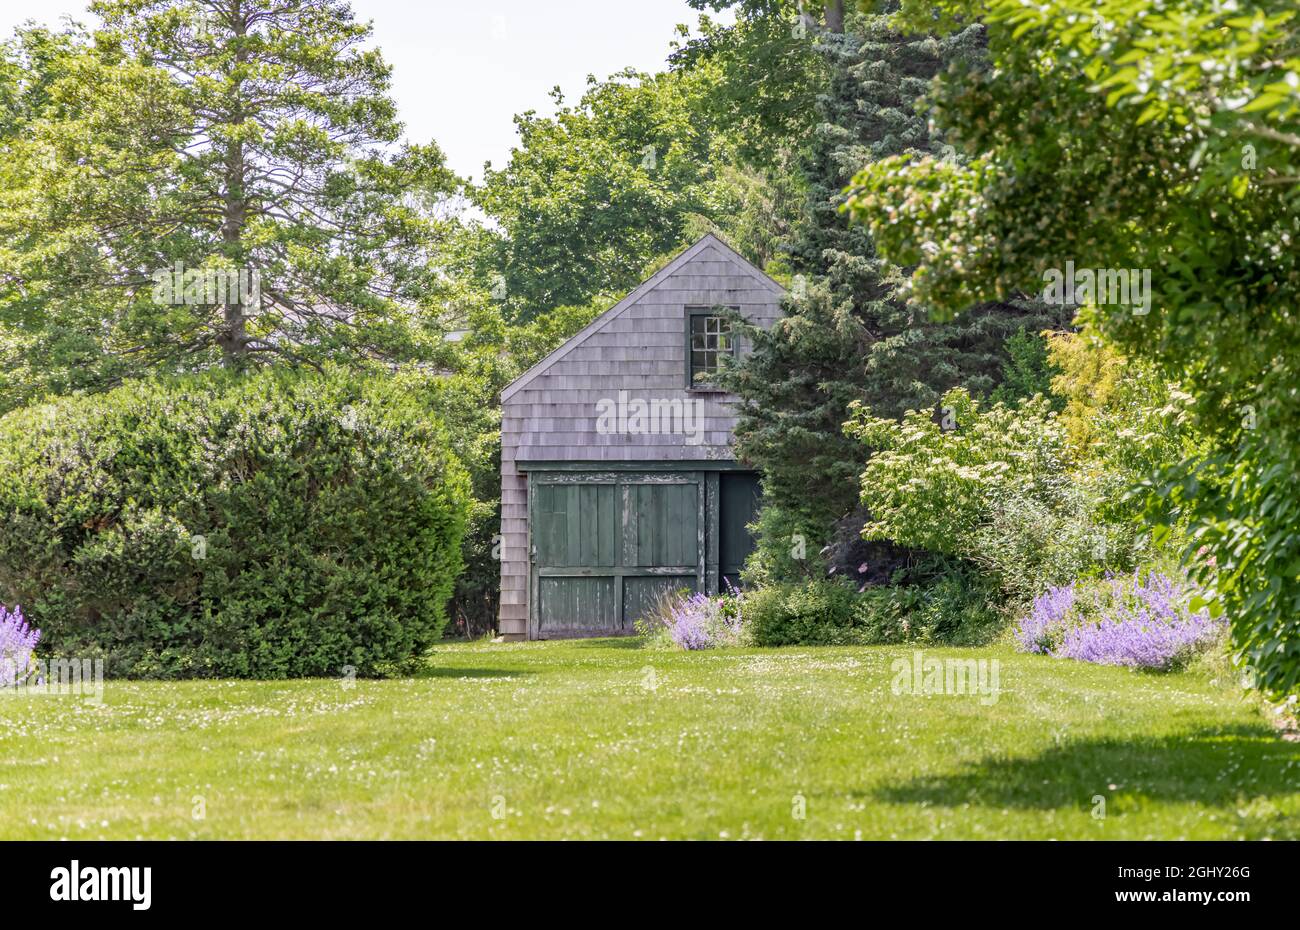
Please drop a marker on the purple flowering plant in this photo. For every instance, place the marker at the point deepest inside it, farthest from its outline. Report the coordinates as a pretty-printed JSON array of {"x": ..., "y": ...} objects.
[
  {"x": 17, "y": 642},
  {"x": 698, "y": 621},
  {"x": 1140, "y": 620}
]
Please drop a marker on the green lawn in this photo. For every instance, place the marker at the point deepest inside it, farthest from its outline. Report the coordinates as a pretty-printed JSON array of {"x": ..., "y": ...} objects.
[{"x": 602, "y": 739}]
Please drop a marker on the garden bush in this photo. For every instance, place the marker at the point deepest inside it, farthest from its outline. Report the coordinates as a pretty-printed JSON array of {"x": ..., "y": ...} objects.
[
  {"x": 695, "y": 621},
  {"x": 819, "y": 613},
  {"x": 1142, "y": 620},
  {"x": 263, "y": 525},
  {"x": 17, "y": 642},
  {"x": 951, "y": 603},
  {"x": 466, "y": 405},
  {"x": 1002, "y": 488},
  {"x": 946, "y": 603}
]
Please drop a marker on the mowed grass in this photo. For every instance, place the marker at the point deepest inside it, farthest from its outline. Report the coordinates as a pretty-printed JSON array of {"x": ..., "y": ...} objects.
[{"x": 602, "y": 739}]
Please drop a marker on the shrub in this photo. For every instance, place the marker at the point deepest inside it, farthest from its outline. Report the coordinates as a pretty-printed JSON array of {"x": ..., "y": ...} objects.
[
  {"x": 933, "y": 484},
  {"x": 1029, "y": 545},
  {"x": 17, "y": 642},
  {"x": 696, "y": 621},
  {"x": 941, "y": 602},
  {"x": 951, "y": 604},
  {"x": 996, "y": 487},
  {"x": 1140, "y": 620},
  {"x": 819, "y": 613},
  {"x": 266, "y": 525},
  {"x": 465, "y": 404}
]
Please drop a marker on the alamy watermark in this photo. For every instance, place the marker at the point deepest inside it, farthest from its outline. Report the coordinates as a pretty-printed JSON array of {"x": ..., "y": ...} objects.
[
  {"x": 658, "y": 416},
  {"x": 1123, "y": 287},
  {"x": 207, "y": 286},
  {"x": 104, "y": 883},
  {"x": 923, "y": 675},
  {"x": 53, "y": 678}
]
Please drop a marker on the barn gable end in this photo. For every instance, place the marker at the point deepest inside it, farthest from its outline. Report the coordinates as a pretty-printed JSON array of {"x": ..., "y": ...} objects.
[{"x": 552, "y": 426}]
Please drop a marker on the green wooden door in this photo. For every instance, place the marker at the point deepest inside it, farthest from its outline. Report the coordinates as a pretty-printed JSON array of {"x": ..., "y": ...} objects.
[{"x": 606, "y": 545}]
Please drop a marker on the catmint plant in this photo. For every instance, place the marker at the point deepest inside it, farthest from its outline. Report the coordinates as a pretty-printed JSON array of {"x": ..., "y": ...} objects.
[
  {"x": 698, "y": 621},
  {"x": 17, "y": 642},
  {"x": 1139, "y": 620}
]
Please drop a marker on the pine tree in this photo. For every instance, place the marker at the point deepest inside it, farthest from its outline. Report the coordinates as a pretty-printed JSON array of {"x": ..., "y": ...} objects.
[
  {"x": 847, "y": 336},
  {"x": 198, "y": 184}
]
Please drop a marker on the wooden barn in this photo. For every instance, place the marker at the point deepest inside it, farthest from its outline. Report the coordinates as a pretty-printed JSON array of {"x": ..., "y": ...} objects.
[{"x": 618, "y": 480}]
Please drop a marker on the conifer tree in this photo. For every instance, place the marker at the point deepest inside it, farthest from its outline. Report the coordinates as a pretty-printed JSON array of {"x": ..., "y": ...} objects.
[{"x": 846, "y": 335}]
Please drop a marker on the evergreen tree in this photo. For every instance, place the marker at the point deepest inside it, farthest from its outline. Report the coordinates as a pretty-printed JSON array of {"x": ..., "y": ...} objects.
[
  {"x": 210, "y": 182},
  {"x": 847, "y": 335}
]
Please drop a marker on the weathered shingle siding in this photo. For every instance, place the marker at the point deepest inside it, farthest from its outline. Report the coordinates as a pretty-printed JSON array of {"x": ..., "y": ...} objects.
[{"x": 552, "y": 414}]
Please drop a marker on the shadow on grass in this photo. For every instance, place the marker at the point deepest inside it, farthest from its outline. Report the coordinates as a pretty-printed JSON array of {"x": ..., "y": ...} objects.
[
  {"x": 437, "y": 671},
  {"x": 1216, "y": 767},
  {"x": 612, "y": 642}
]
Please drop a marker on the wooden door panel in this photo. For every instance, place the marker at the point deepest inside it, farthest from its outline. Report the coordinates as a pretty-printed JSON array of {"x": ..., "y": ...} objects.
[
  {"x": 577, "y": 606},
  {"x": 641, "y": 594},
  {"x": 575, "y": 525},
  {"x": 605, "y": 545}
]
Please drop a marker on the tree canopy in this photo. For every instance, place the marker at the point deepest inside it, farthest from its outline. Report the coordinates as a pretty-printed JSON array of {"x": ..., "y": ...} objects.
[
  {"x": 1161, "y": 137},
  {"x": 209, "y": 183}
]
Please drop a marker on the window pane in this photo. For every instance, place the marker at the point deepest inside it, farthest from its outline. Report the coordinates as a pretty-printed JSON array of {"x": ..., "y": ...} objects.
[{"x": 710, "y": 338}]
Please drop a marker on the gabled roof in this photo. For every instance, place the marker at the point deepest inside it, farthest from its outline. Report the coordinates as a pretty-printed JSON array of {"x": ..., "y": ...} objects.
[{"x": 709, "y": 239}]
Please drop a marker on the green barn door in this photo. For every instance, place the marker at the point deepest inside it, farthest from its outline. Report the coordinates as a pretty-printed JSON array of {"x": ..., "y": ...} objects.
[
  {"x": 606, "y": 545},
  {"x": 663, "y": 540},
  {"x": 575, "y": 541}
]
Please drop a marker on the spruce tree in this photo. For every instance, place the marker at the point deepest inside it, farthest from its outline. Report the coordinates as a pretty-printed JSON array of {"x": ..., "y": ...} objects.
[{"x": 847, "y": 336}]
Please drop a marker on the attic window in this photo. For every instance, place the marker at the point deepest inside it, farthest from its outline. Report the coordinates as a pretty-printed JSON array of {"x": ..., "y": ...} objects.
[{"x": 709, "y": 341}]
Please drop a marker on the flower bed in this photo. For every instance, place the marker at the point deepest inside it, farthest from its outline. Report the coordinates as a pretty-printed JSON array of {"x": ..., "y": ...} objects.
[
  {"x": 17, "y": 642},
  {"x": 697, "y": 621},
  {"x": 1140, "y": 620}
]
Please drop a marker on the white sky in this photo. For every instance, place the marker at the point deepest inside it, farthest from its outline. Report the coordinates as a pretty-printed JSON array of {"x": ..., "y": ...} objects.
[{"x": 462, "y": 70}]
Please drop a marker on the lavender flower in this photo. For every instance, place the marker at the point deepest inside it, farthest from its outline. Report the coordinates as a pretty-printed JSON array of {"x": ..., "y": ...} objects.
[
  {"x": 1138, "y": 621},
  {"x": 1050, "y": 617},
  {"x": 1138, "y": 644},
  {"x": 702, "y": 622},
  {"x": 17, "y": 640}
]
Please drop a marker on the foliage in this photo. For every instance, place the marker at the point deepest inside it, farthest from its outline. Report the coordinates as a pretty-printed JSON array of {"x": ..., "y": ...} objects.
[
  {"x": 1140, "y": 620},
  {"x": 1028, "y": 370},
  {"x": 17, "y": 643},
  {"x": 1000, "y": 487},
  {"x": 952, "y": 603},
  {"x": 596, "y": 193},
  {"x": 947, "y": 604},
  {"x": 697, "y": 621},
  {"x": 756, "y": 210},
  {"x": 782, "y": 551},
  {"x": 210, "y": 141},
  {"x": 767, "y": 75},
  {"x": 1030, "y": 543},
  {"x": 265, "y": 525},
  {"x": 464, "y": 402},
  {"x": 1119, "y": 413},
  {"x": 816, "y": 613},
  {"x": 1166, "y": 133},
  {"x": 932, "y": 484},
  {"x": 845, "y": 336}
]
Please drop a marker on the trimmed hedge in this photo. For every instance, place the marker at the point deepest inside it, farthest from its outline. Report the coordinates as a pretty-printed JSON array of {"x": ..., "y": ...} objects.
[
  {"x": 265, "y": 525},
  {"x": 955, "y": 608}
]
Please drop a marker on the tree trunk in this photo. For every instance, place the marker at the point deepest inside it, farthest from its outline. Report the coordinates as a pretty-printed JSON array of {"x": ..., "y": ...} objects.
[
  {"x": 233, "y": 337},
  {"x": 835, "y": 15}
]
